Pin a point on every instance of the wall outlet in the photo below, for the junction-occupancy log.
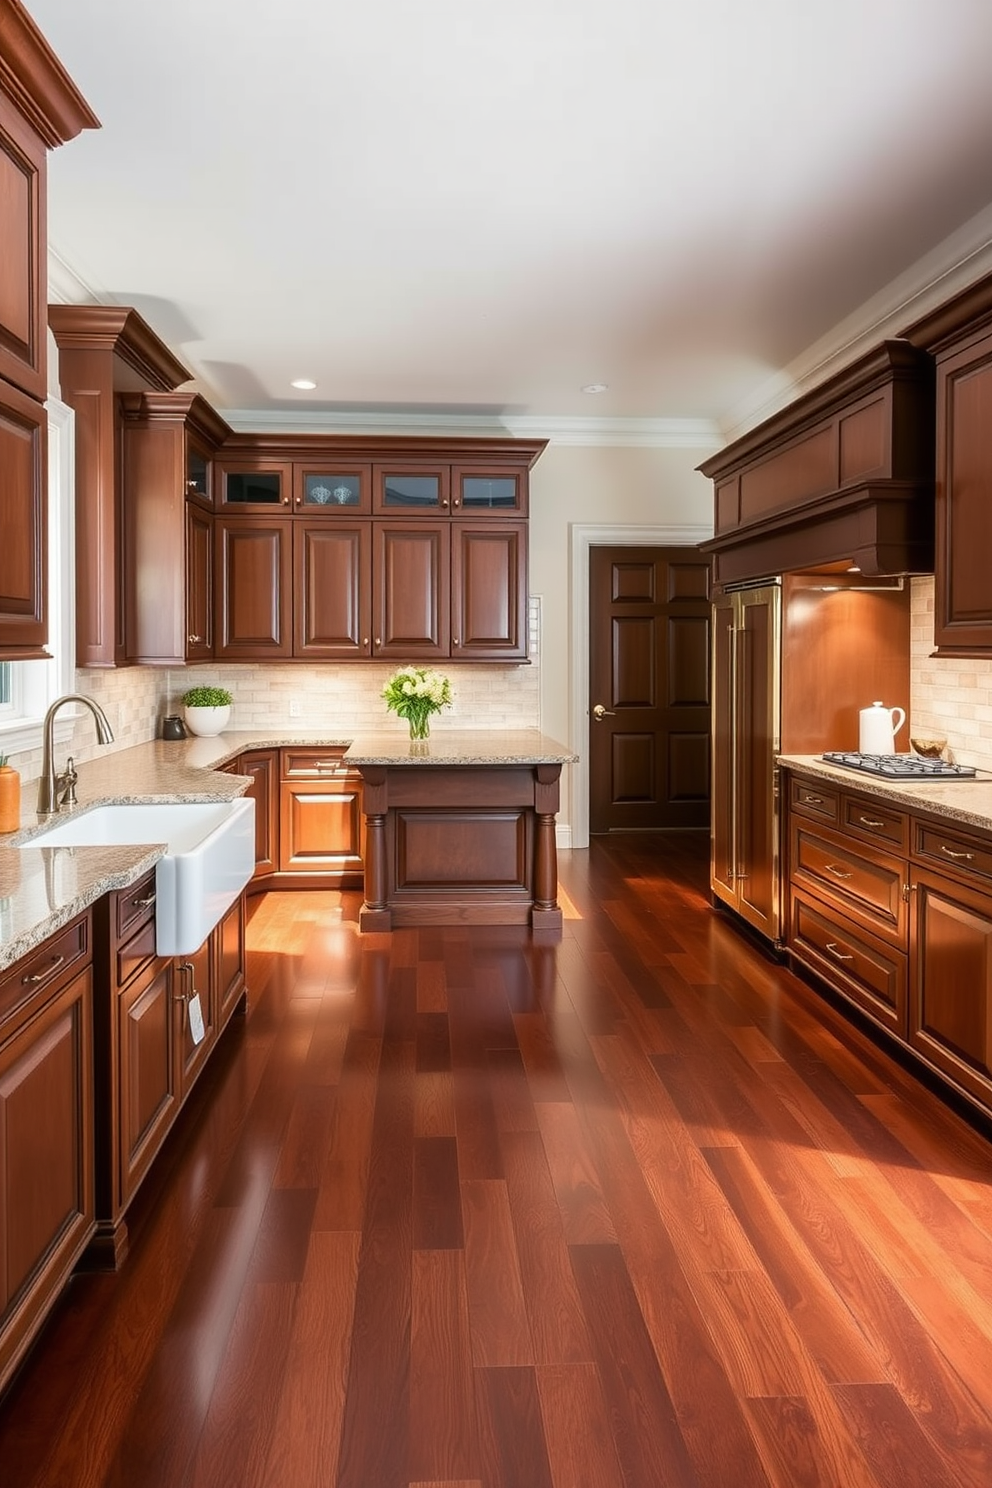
(294, 707)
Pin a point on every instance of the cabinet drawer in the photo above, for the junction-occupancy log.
(970, 856)
(867, 886)
(857, 964)
(814, 799)
(315, 764)
(135, 904)
(45, 968)
(870, 819)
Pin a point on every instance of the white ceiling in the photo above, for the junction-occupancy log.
(458, 207)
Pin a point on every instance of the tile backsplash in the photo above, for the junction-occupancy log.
(951, 696)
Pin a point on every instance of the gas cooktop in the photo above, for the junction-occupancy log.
(901, 766)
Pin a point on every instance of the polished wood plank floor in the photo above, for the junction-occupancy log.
(458, 1209)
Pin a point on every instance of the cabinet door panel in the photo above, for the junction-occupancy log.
(193, 977)
(411, 581)
(23, 628)
(321, 827)
(199, 584)
(262, 768)
(488, 590)
(963, 609)
(229, 936)
(254, 586)
(46, 1177)
(148, 1090)
(23, 170)
(333, 571)
(951, 971)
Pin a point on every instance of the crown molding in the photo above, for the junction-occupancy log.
(952, 266)
(696, 434)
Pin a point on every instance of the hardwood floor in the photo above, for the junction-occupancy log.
(458, 1209)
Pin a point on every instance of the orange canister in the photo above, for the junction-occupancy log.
(10, 798)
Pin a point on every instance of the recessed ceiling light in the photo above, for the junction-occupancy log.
(594, 387)
(305, 384)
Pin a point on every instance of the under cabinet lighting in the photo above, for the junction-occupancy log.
(304, 384)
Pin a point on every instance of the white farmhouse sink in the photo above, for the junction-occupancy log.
(210, 856)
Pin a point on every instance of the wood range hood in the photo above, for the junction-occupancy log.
(843, 476)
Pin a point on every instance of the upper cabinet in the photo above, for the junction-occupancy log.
(168, 441)
(39, 109)
(843, 475)
(959, 337)
(103, 351)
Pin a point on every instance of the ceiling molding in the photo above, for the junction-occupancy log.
(643, 433)
(952, 266)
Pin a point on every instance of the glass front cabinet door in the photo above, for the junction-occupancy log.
(488, 491)
(329, 490)
(411, 489)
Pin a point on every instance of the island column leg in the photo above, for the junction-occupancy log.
(546, 914)
(375, 913)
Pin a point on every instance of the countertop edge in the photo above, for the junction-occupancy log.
(966, 801)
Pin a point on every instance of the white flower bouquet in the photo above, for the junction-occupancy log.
(415, 693)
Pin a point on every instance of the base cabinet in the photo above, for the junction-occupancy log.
(47, 1210)
(148, 1049)
(309, 827)
(893, 910)
(950, 1008)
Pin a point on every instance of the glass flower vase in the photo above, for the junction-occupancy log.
(420, 726)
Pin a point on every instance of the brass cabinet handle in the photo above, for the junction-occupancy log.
(194, 640)
(967, 856)
(838, 955)
(837, 871)
(869, 821)
(143, 903)
(812, 800)
(42, 976)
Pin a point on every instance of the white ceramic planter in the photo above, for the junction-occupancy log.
(206, 722)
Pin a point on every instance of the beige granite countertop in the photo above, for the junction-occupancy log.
(42, 889)
(966, 800)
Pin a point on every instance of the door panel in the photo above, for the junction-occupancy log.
(650, 668)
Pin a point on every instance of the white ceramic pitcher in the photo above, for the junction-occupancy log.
(877, 728)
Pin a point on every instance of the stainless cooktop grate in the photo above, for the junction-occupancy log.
(901, 766)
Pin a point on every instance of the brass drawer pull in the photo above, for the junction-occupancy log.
(968, 857)
(143, 903)
(869, 821)
(42, 976)
(812, 800)
(837, 871)
(837, 954)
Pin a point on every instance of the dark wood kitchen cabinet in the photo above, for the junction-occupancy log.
(321, 825)
(411, 589)
(146, 1057)
(959, 337)
(40, 108)
(254, 587)
(332, 592)
(262, 768)
(893, 910)
(489, 590)
(47, 1209)
(168, 441)
(253, 486)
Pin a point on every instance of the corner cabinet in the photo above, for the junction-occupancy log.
(39, 109)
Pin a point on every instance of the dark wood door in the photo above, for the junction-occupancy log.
(411, 583)
(649, 688)
(333, 599)
(254, 586)
(489, 590)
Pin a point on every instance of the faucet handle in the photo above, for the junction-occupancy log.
(67, 784)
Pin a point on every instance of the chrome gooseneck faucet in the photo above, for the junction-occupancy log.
(56, 791)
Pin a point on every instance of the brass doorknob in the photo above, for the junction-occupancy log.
(599, 713)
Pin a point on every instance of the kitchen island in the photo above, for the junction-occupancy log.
(460, 829)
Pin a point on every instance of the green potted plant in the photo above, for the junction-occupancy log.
(207, 710)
